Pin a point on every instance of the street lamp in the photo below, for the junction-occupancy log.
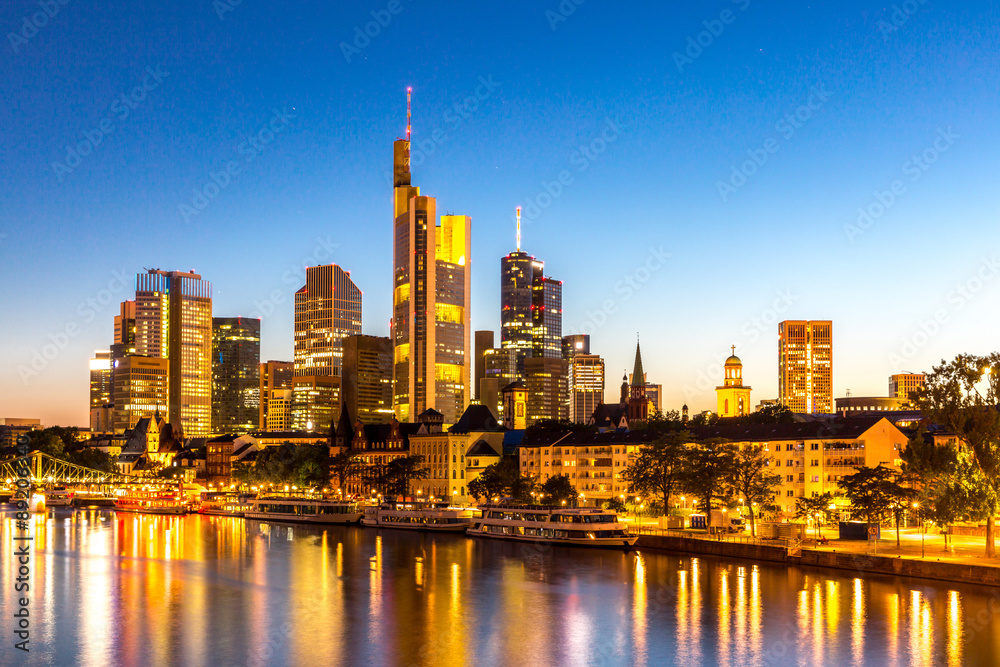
(916, 506)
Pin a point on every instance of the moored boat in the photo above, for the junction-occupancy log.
(586, 526)
(420, 515)
(154, 501)
(303, 510)
(224, 503)
(58, 496)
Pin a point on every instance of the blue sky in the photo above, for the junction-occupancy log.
(644, 109)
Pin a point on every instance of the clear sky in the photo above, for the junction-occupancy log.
(716, 157)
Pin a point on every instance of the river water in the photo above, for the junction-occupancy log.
(126, 589)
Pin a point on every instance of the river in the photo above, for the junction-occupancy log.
(126, 589)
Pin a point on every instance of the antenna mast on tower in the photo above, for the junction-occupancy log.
(519, 229)
(408, 91)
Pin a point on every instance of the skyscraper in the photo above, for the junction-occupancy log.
(101, 391)
(805, 366)
(275, 376)
(483, 342)
(173, 321)
(367, 379)
(140, 389)
(431, 326)
(235, 374)
(586, 386)
(327, 310)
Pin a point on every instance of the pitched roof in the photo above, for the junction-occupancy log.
(476, 418)
(638, 377)
(825, 429)
(482, 448)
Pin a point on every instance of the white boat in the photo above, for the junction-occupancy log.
(588, 526)
(303, 510)
(155, 501)
(58, 496)
(420, 515)
(224, 504)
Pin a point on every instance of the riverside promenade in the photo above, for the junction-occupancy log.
(961, 560)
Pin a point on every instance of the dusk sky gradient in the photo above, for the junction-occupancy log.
(320, 192)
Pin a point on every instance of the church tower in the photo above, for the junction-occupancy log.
(733, 397)
(638, 405)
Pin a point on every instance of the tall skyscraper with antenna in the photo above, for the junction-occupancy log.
(531, 330)
(431, 324)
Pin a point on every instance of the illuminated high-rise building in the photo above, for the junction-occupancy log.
(315, 402)
(367, 379)
(101, 392)
(140, 390)
(586, 386)
(275, 376)
(431, 325)
(173, 321)
(901, 385)
(235, 374)
(327, 310)
(484, 341)
(805, 366)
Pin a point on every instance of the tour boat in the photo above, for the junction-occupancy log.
(224, 504)
(420, 515)
(155, 501)
(588, 527)
(58, 496)
(303, 510)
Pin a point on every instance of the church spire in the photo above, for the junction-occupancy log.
(638, 377)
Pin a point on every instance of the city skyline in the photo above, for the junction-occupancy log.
(708, 269)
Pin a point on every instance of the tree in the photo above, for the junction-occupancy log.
(401, 471)
(752, 479)
(343, 466)
(657, 467)
(558, 489)
(47, 442)
(706, 473)
(871, 492)
(952, 398)
(819, 508)
(502, 480)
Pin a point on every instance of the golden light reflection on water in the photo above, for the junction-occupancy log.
(639, 607)
(189, 589)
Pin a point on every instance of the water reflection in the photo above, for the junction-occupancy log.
(132, 589)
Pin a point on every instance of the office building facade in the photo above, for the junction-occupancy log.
(805, 366)
(274, 375)
(366, 384)
(235, 374)
(327, 310)
(173, 321)
(431, 325)
(140, 390)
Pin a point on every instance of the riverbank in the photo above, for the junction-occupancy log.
(954, 570)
